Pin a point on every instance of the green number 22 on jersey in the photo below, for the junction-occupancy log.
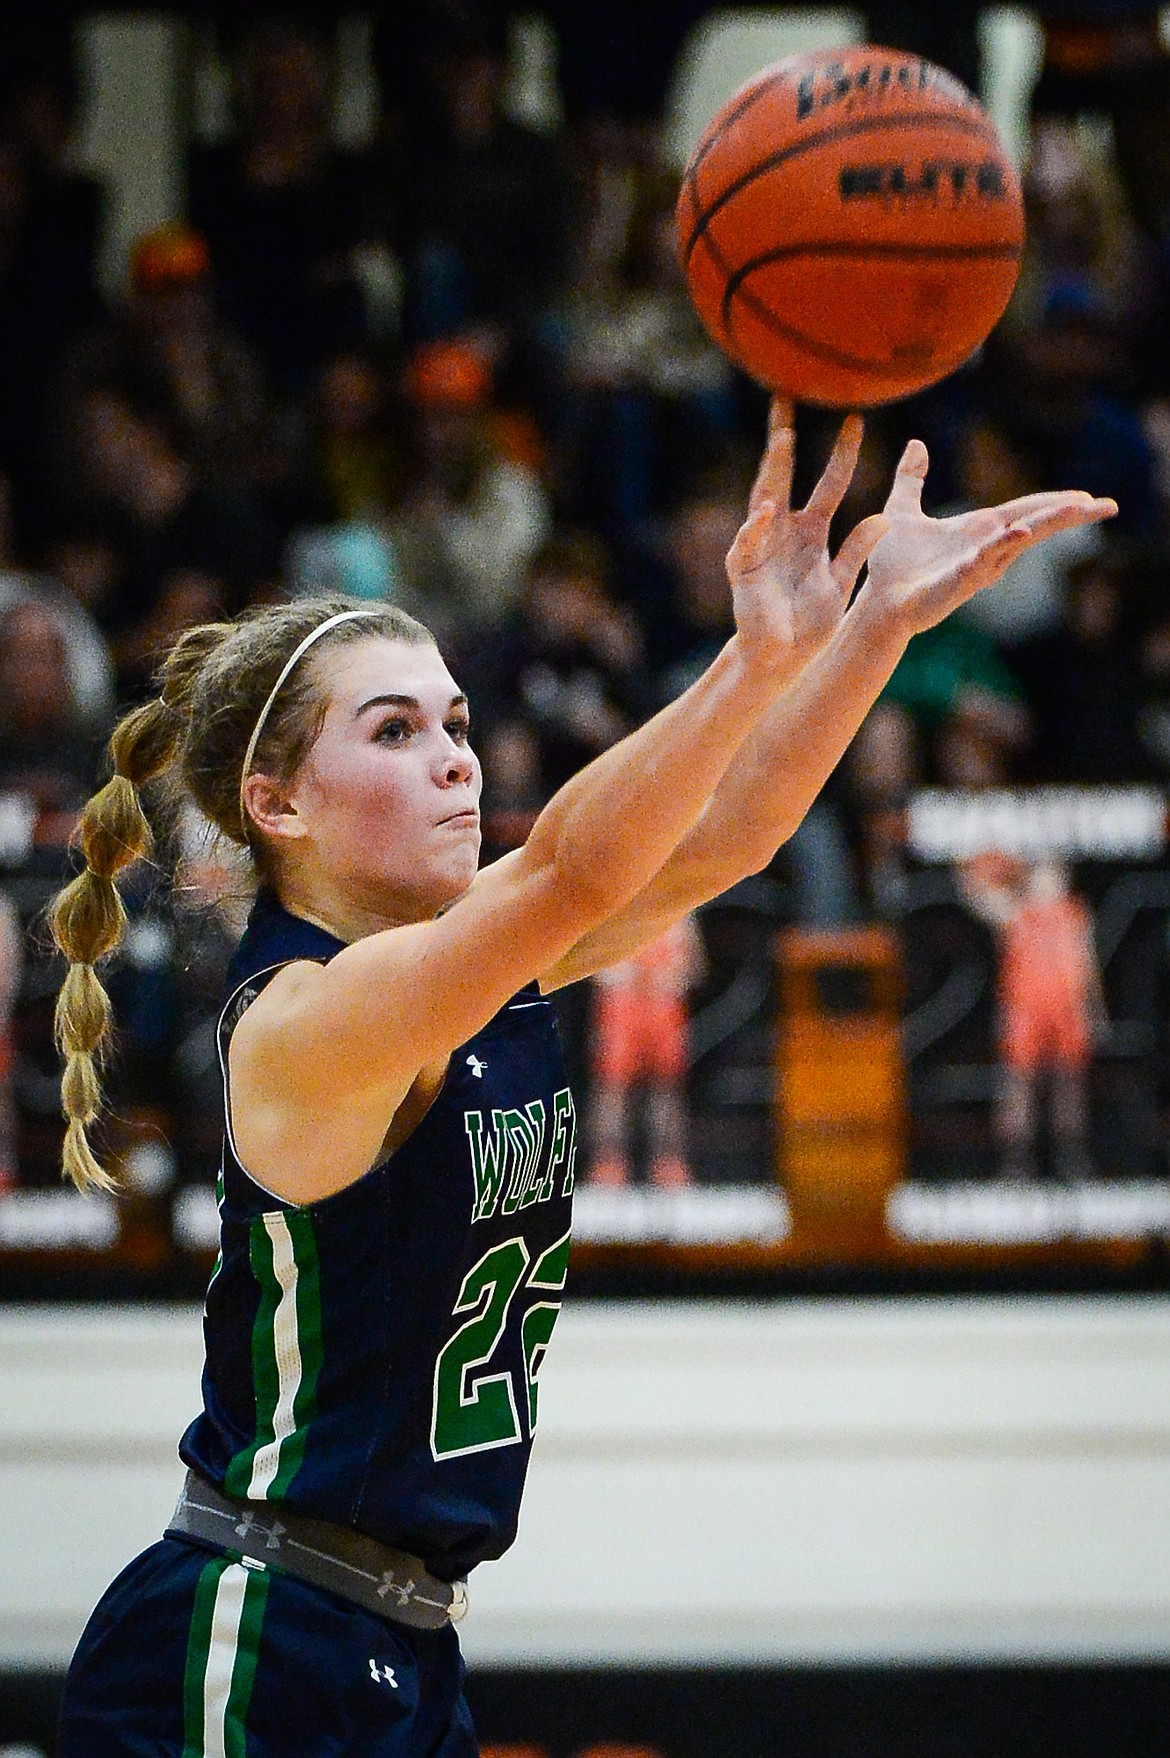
(476, 1409)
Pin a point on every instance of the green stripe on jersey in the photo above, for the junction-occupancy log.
(223, 1648)
(286, 1354)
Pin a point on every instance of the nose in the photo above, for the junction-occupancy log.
(457, 764)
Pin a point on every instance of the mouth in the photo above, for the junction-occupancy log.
(466, 819)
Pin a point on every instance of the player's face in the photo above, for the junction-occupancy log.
(388, 796)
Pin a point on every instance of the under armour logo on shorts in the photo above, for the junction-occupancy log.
(383, 1675)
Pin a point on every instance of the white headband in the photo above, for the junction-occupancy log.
(298, 653)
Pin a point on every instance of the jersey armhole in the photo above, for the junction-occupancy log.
(240, 1000)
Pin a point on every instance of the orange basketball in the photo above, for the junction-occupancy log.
(850, 226)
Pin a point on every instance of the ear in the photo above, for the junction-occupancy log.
(272, 809)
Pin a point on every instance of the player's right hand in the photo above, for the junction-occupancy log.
(789, 595)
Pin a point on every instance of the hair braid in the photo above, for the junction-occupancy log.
(89, 919)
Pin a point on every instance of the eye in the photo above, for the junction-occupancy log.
(459, 729)
(393, 732)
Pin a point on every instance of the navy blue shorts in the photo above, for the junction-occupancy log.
(193, 1655)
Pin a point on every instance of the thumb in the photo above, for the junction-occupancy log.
(857, 549)
(905, 494)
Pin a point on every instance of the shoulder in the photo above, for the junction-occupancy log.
(265, 1006)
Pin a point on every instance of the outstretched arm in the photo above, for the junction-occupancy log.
(350, 1038)
(920, 570)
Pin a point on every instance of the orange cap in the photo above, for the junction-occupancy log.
(449, 372)
(170, 256)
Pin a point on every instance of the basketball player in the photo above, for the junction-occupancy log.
(398, 1165)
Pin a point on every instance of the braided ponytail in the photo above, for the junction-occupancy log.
(89, 919)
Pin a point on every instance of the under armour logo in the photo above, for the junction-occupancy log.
(476, 1066)
(390, 1585)
(271, 1534)
(383, 1675)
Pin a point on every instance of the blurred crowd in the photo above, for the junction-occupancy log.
(459, 368)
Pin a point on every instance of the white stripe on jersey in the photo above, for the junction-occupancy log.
(221, 1658)
(287, 1347)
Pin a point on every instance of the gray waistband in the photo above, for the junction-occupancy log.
(382, 1580)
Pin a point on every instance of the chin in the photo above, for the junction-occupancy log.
(452, 879)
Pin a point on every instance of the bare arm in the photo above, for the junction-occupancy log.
(763, 795)
(359, 1031)
(919, 571)
(323, 1059)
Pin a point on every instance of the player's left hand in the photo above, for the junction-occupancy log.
(924, 568)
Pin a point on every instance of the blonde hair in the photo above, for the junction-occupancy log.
(213, 689)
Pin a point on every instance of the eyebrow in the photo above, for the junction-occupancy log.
(392, 701)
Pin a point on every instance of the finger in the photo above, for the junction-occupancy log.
(990, 559)
(979, 567)
(1026, 504)
(1067, 517)
(781, 412)
(905, 494)
(829, 492)
(752, 540)
(774, 477)
(985, 562)
(1046, 522)
(857, 549)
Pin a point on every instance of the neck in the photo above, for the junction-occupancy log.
(341, 914)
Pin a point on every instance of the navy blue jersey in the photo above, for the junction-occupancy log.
(373, 1358)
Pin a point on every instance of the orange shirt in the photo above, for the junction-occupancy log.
(664, 968)
(1047, 959)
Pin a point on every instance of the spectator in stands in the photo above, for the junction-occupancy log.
(1083, 681)
(567, 665)
(617, 60)
(686, 629)
(647, 390)
(1080, 239)
(283, 209)
(193, 549)
(1067, 383)
(360, 453)
(685, 605)
(83, 551)
(472, 516)
(994, 462)
(952, 676)
(40, 108)
(90, 670)
(46, 749)
(979, 740)
(477, 205)
(168, 346)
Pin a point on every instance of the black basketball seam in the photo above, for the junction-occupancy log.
(845, 131)
(729, 344)
(907, 252)
(713, 134)
(819, 350)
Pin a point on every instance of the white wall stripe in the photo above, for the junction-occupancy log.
(286, 1344)
(221, 1658)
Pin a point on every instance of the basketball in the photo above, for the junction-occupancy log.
(850, 226)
